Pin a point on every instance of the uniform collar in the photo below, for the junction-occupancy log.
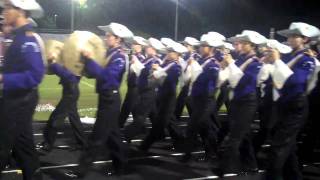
(112, 50)
(295, 53)
(23, 29)
(248, 56)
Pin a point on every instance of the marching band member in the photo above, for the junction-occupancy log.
(201, 91)
(129, 102)
(67, 107)
(167, 74)
(311, 130)
(267, 107)
(147, 90)
(106, 132)
(236, 149)
(290, 77)
(190, 43)
(223, 97)
(23, 70)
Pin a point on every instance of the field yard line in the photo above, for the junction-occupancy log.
(103, 162)
(87, 84)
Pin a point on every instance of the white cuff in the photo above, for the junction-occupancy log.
(314, 76)
(223, 76)
(264, 73)
(137, 67)
(160, 73)
(235, 74)
(280, 74)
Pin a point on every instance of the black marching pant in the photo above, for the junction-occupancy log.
(128, 105)
(181, 102)
(283, 159)
(67, 107)
(201, 123)
(223, 97)
(145, 107)
(311, 138)
(106, 133)
(16, 134)
(267, 115)
(236, 152)
(163, 120)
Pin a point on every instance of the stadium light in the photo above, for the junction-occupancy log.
(176, 21)
(82, 3)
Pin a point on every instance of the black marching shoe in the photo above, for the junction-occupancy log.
(186, 158)
(44, 148)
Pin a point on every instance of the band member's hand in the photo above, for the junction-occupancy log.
(155, 66)
(223, 64)
(52, 58)
(273, 56)
(190, 61)
(227, 58)
(311, 53)
(86, 54)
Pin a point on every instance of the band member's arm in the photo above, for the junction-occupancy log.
(280, 74)
(264, 73)
(34, 72)
(173, 74)
(136, 66)
(302, 72)
(92, 68)
(235, 74)
(61, 71)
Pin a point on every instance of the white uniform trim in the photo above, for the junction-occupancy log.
(136, 67)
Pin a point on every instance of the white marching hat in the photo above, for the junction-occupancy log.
(282, 48)
(117, 29)
(139, 40)
(209, 40)
(156, 44)
(27, 5)
(191, 41)
(300, 28)
(167, 41)
(227, 46)
(216, 36)
(177, 47)
(234, 38)
(251, 36)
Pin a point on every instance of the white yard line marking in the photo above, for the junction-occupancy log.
(206, 177)
(99, 162)
(87, 84)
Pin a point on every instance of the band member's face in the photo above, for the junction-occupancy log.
(112, 40)
(296, 41)
(237, 46)
(136, 48)
(189, 47)
(173, 55)
(246, 47)
(150, 51)
(11, 14)
(6, 29)
(205, 50)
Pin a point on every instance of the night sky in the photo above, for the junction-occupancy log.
(156, 17)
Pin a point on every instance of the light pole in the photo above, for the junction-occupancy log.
(55, 19)
(176, 22)
(72, 16)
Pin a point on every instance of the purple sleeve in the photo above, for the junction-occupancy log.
(32, 75)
